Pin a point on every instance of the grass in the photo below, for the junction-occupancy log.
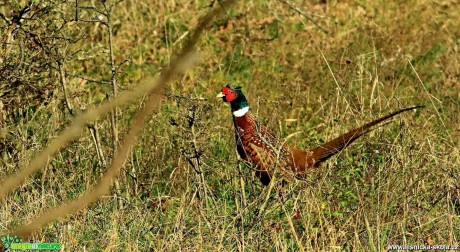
(396, 185)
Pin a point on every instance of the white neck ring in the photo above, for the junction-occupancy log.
(241, 112)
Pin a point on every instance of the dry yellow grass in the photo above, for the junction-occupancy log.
(182, 186)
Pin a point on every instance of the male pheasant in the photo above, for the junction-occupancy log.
(261, 149)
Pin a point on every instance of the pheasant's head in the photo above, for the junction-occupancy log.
(236, 98)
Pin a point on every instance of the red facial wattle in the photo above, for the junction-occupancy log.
(229, 94)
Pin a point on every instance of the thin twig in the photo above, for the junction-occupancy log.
(113, 80)
(95, 9)
(306, 15)
(76, 10)
(4, 18)
(97, 143)
(63, 81)
(87, 78)
(92, 128)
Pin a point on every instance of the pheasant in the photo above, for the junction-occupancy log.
(261, 149)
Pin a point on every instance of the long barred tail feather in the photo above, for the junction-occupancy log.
(326, 150)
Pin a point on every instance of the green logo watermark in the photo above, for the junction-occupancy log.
(15, 243)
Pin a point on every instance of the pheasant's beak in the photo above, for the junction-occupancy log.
(220, 95)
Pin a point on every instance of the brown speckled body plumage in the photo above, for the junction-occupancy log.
(263, 151)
